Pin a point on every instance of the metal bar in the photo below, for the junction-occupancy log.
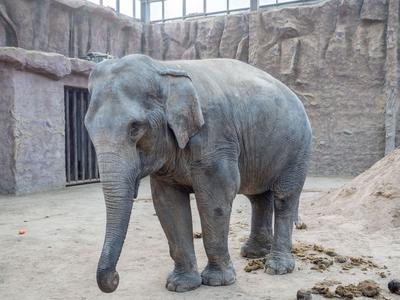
(67, 136)
(204, 7)
(75, 134)
(145, 11)
(227, 7)
(118, 7)
(285, 3)
(254, 4)
(81, 165)
(89, 146)
(183, 9)
(101, 2)
(78, 182)
(83, 136)
(133, 9)
(163, 10)
(201, 14)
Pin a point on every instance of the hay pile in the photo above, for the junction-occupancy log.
(372, 198)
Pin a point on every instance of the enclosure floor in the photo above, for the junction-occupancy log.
(57, 256)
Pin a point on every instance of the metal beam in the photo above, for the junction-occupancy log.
(254, 4)
(145, 11)
(117, 6)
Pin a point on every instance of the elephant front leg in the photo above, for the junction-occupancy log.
(215, 188)
(172, 206)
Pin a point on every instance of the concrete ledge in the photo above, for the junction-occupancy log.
(52, 65)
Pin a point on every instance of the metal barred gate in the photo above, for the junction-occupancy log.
(80, 156)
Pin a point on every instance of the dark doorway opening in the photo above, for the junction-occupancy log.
(80, 155)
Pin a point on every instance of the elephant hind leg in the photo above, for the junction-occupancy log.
(261, 236)
(287, 192)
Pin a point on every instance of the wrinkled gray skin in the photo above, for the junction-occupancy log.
(214, 128)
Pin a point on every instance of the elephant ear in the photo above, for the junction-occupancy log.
(183, 109)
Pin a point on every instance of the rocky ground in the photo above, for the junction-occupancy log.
(56, 257)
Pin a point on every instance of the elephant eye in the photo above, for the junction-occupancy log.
(134, 129)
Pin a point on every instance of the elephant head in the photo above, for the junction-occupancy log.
(140, 111)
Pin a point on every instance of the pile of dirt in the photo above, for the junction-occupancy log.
(372, 198)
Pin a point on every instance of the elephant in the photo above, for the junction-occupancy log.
(212, 127)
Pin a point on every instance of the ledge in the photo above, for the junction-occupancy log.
(52, 65)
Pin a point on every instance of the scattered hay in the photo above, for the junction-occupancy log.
(301, 226)
(254, 264)
(366, 288)
(323, 258)
(197, 235)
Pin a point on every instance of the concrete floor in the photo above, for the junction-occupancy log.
(57, 256)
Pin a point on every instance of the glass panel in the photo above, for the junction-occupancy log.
(155, 11)
(235, 4)
(173, 8)
(95, 1)
(194, 6)
(138, 8)
(267, 2)
(284, 1)
(216, 5)
(110, 3)
(126, 7)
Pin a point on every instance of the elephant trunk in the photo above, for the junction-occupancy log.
(119, 188)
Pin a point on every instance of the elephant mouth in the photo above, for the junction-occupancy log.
(136, 188)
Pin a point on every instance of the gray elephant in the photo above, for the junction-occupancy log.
(214, 128)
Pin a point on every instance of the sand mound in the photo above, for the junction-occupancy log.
(372, 198)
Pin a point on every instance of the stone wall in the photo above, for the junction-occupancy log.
(32, 135)
(69, 27)
(339, 56)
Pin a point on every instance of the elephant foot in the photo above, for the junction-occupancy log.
(254, 249)
(278, 263)
(183, 282)
(217, 275)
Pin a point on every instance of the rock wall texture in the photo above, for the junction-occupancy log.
(7, 126)
(69, 27)
(341, 57)
(32, 135)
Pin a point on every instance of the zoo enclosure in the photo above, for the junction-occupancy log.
(169, 10)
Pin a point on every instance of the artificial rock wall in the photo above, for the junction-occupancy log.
(339, 56)
(32, 135)
(69, 27)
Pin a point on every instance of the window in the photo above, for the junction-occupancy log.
(194, 7)
(173, 8)
(155, 11)
(214, 6)
(110, 3)
(126, 8)
(138, 8)
(237, 4)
